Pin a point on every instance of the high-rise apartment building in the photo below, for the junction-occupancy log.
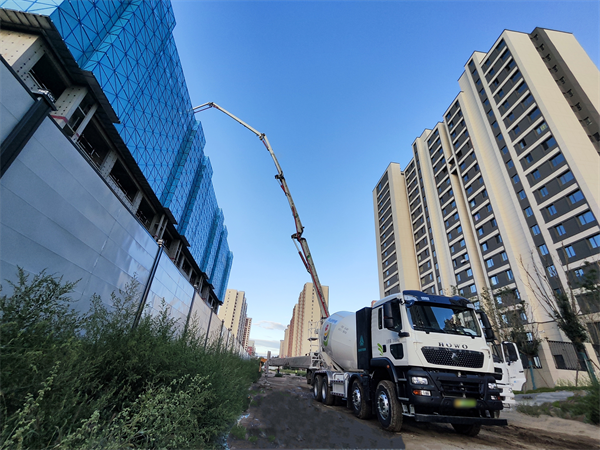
(247, 327)
(305, 317)
(129, 47)
(233, 313)
(507, 182)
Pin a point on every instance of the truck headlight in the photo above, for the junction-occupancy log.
(492, 386)
(419, 380)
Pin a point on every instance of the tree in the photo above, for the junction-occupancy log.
(508, 316)
(561, 302)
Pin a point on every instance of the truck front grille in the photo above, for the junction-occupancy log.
(453, 357)
(468, 389)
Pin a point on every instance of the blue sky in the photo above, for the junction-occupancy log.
(341, 89)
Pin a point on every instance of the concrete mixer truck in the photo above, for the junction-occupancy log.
(412, 355)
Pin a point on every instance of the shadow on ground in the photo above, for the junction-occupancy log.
(282, 414)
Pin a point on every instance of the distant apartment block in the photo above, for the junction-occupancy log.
(508, 181)
(306, 315)
(233, 313)
(246, 337)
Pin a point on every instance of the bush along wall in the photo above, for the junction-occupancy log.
(72, 380)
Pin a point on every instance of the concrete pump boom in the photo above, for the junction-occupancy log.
(303, 251)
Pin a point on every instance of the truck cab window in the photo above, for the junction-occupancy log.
(443, 319)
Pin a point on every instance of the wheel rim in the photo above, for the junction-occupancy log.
(315, 388)
(324, 389)
(356, 400)
(383, 405)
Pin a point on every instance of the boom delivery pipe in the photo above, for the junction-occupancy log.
(303, 251)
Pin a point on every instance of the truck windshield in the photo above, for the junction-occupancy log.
(443, 319)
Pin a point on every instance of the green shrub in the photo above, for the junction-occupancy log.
(238, 432)
(71, 380)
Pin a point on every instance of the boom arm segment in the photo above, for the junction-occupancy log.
(303, 250)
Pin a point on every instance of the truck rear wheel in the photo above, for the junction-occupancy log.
(360, 408)
(467, 430)
(326, 394)
(389, 411)
(317, 388)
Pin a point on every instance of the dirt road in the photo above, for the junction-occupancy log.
(283, 414)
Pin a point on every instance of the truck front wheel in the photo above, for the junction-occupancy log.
(317, 388)
(360, 408)
(389, 411)
(467, 430)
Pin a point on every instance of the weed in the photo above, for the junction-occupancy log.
(253, 439)
(238, 432)
(271, 438)
(73, 380)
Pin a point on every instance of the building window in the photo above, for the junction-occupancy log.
(473, 203)
(529, 158)
(458, 277)
(543, 127)
(473, 289)
(536, 174)
(510, 164)
(498, 239)
(578, 273)
(504, 256)
(543, 249)
(585, 218)
(480, 231)
(557, 159)
(476, 217)
(543, 191)
(528, 211)
(509, 275)
(575, 197)
(560, 230)
(551, 271)
(484, 246)
(516, 179)
(595, 241)
(494, 280)
(570, 251)
(522, 194)
(535, 230)
(504, 150)
(489, 207)
(489, 262)
(462, 243)
(469, 272)
(551, 210)
(566, 177)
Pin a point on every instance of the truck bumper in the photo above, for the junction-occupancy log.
(459, 419)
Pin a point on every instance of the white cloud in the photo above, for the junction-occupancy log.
(267, 324)
(271, 345)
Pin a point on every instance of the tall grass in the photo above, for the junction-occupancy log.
(74, 380)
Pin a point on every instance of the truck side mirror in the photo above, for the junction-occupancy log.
(487, 328)
(391, 315)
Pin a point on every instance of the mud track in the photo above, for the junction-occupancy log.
(283, 414)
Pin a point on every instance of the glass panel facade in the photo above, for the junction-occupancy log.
(129, 46)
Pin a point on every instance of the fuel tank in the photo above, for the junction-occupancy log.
(338, 339)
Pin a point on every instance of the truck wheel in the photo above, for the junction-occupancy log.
(467, 430)
(326, 394)
(360, 408)
(389, 411)
(317, 388)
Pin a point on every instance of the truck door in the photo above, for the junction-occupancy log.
(516, 374)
